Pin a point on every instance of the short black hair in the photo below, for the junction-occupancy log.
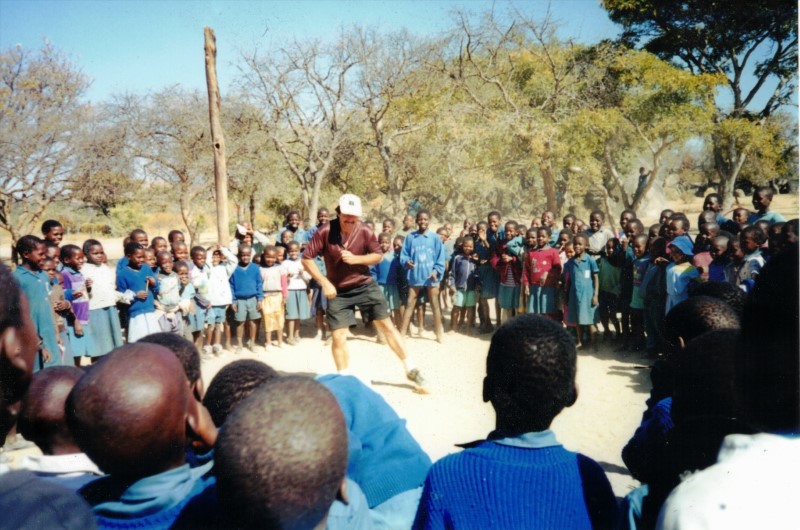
(765, 191)
(599, 213)
(48, 225)
(727, 292)
(422, 211)
(67, 251)
(533, 360)
(493, 213)
(197, 249)
(697, 315)
(132, 247)
(184, 350)
(136, 232)
(386, 235)
(157, 238)
(545, 229)
(681, 217)
(88, 244)
(27, 244)
(180, 265)
(265, 477)
(566, 231)
(172, 234)
(755, 232)
(233, 384)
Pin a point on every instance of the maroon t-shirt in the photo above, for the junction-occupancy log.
(328, 242)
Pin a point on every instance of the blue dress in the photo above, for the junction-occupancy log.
(582, 274)
(34, 285)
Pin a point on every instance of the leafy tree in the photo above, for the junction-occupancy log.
(737, 39)
(42, 116)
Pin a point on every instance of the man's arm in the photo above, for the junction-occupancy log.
(328, 289)
(368, 259)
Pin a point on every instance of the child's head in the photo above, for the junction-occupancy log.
(42, 416)
(53, 231)
(654, 231)
(294, 250)
(680, 250)
(569, 250)
(397, 243)
(530, 373)
(138, 235)
(712, 203)
(709, 231)
(198, 254)
(323, 216)
(216, 256)
(763, 226)
(423, 219)
(548, 218)
(150, 257)
(467, 245)
(530, 238)
(762, 198)
(775, 238)
(633, 228)
(511, 230)
(706, 216)
(182, 270)
(165, 262)
(72, 256)
(388, 226)
(266, 479)
(467, 223)
(565, 236)
(49, 268)
(596, 219)
(719, 247)
(281, 254)
(664, 216)
(233, 384)
(158, 244)
(293, 219)
(408, 222)
(696, 315)
(579, 244)
(740, 215)
(175, 235)
(472, 230)
(187, 354)
(750, 239)
(493, 221)
(449, 228)
(287, 236)
(789, 233)
(625, 217)
(385, 241)
(52, 251)
(245, 254)
(640, 245)
(135, 254)
(658, 248)
(269, 257)
(130, 413)
(93, 250)
(180, 251)
(568, 222)
(677, 225)
(442, 233)
(30, 249)
(735, 250)
(612, 247)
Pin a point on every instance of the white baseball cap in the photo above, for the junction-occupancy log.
(350, 204)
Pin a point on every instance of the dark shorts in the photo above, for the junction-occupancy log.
(367, 298)
(608, 301)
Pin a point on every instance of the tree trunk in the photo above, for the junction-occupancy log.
(217, 137)
(728, 171)
(549, 185)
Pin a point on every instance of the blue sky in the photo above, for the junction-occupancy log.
(146, 45)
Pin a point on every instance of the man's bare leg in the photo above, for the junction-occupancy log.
(341, 356)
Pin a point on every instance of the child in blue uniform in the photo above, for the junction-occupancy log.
(423, 257)
(386, 273)
(138, 286)
(463, 284)
(582, 289)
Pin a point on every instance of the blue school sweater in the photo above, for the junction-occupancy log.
(246, 282)
(129, 279)
(386, 272)
(492, 485)
(428, 254)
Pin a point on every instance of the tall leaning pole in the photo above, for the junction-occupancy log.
(217, 136)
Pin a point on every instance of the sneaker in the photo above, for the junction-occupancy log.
(239, 350)
(415, 376)
(207, 350)
(216, 349)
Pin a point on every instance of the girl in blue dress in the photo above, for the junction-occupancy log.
(582, 289)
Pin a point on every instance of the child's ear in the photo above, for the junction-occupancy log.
(681, 343)
(487, 390)
(341, 494)
(573, 397)
(199, 425)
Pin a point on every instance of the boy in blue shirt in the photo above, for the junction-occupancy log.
(248, 292)
(520, 476)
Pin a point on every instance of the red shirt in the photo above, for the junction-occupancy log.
(537, 262)
(328, 242)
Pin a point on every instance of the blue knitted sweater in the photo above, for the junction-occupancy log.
(500, 486)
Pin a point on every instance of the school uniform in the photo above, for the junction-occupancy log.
(34, 285)
(542, 299)
(386, 273)
(464, 279)
(73, 284)
(297, 307)
(678, 278)
(141, 313)
(426, 251)
(581, 291)
(103, 313)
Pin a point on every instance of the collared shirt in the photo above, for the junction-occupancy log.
(530, 440)
(328, 242)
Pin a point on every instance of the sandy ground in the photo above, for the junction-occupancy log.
(612, 391)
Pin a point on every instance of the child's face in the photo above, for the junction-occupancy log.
(53, 254)
(468, 247)
(530, 238)
(449, 228)
(166, 264)
(712, 204)
(472, 230)
(180, 251)
(664, 217)
(639, 248)
(422, 221)
(150, 258)
(183, 275)
(563, 239)
(624, 219)
(610, 248)
(199, 259)
(216, 258)
(287, 237)
(388, 227)
(511, 231)
(568, 222)
(281, 254)
(740, 216)
(442, 235)
(653, 232)
(467, 223)
(247, 239)
(49, 268)
(718, 249)
(136, 260)
(323, 217)
(270, 257)
(747, 243)
(397, 245)
(735, 250)
(293, 221)
(56, 234)
(97, 256)
(542, 238)
(385, 245)
(159, 244)
(632, 230)
(141, 238)
(177, 236)
(676, 254)
(580, 226)
(569, 251)
(548, 219)
(595, 222)
(761, 201)
(579, 246)
(675, 228)
(492, 223)
(294, 252)
(76, 261)
(245, 256)
(408, 222)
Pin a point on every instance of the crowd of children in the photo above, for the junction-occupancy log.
(712, 311)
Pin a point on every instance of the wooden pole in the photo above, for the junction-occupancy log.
(217, 137)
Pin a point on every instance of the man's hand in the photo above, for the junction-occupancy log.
(349, 258)
(328, 289)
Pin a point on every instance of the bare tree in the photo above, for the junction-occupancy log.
(303, 89)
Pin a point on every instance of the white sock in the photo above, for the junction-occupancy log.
(344, 371)
(408, 364)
